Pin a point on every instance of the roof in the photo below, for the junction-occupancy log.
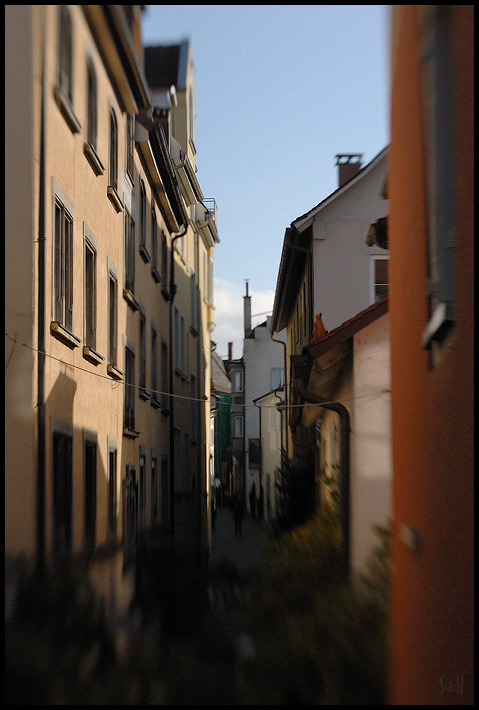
(304, 220)
(347, 329)
(321, 365)
(219, 379)
(268, 394)
(297, 244)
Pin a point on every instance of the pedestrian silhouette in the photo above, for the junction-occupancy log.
(238, 513)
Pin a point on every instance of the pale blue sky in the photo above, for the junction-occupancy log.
(279, 91)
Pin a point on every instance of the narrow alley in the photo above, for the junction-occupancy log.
(209, 663)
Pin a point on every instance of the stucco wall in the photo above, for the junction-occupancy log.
(341, 259)
(371, 483)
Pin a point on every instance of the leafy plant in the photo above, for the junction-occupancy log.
(318, 639)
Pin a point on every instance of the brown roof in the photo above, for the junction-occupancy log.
(347, 329)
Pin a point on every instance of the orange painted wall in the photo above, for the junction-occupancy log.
(432, 409)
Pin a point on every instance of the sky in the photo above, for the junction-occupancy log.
(279, 91)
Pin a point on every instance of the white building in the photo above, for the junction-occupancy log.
(271, 445)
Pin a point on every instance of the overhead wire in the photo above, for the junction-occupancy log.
(116, 383)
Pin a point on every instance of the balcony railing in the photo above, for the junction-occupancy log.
(210, 204)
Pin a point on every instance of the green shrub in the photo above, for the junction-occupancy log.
(319, 640)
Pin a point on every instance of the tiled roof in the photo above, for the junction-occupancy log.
(219, 379)
(348, 328)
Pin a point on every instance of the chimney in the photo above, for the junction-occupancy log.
(247, 313)
(349, 166)
(230, 351)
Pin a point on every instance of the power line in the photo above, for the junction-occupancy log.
(179, 396)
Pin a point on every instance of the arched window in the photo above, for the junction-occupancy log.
(113, 167)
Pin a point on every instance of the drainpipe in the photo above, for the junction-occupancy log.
(285, 392)
(41, 330)
(344, 481)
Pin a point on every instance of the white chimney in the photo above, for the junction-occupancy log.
(247, 313)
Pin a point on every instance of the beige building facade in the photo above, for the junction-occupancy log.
(95, 350)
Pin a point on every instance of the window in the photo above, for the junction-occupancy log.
(193, 302)
(194, 407)
(176, 325)
(63, 266)
(130, 144)
(182, 343)
(63, 89)
(65, 68)
(90, 294)
(113, 152)
(89, 458)
(142, 334)
(143, 250)
(179, 336)
(142, 491)
(238, 427)
(154, 244)
(380, 278)
(277, 378)
(165, 492)
(91, 125)
(154, 362)
(154, 487)
(129, 416)
(304, 311)
(112, 318)
(129, 252)
(62, 445)
(178, 474)
(164, 260)
(112, 490)
(238, 381)
(164, 373)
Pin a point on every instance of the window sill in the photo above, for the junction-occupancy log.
(64, 335)
(92, 356)
(156, 274)
(154, 403)
(93, 159)
(63, 103)
(144, 253)
(144, 395)
(130, 433)
(114, 198)
(193, 330)
(114, 372)
(165, 293)
(130, 299)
